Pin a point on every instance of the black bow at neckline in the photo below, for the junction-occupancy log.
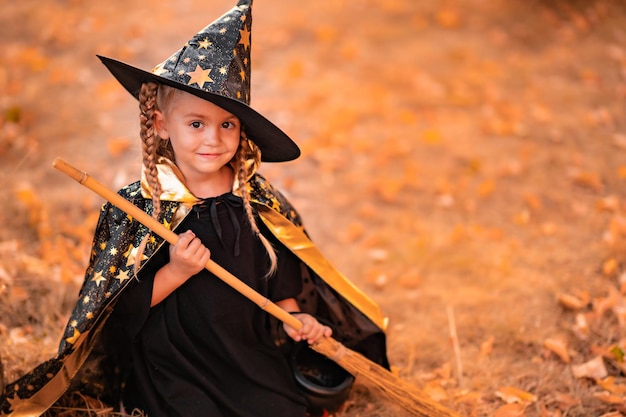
(231, 202)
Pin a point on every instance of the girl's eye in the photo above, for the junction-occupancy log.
(196, 125)
(227, 125)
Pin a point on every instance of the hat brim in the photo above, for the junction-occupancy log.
(274, 144)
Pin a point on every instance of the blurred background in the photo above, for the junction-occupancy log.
(462, 163)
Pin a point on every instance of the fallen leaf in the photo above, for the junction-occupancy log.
(515, 395)
(609, 267)
(546, 413)
(594, 369)
(27, 196)
(541, 113)
(533, 202)
(445, 371)
(486, 188)
(603, 304)
(431, 137)
(368, 211)
(377, 278)
(13, 114)
(18, 293)
(609, 203)
(573, 302)
(566, 401)
(522, 218)
(389, 192)
(590, 180)
(581, 326)
(33, 58)
(548, 229)
(469, 398)
(326, 33)
(559, 347)
(19, 335)
(620, 313)
(435, 391)
(295, 69)
(448, 18)
(611, 386)
(353, 232)
(486, 347)
(410, 279)
(607, 398)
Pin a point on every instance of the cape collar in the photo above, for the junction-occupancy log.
(173, 184)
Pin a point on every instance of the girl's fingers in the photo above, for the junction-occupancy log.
(311, 330)
(192, 247)
(185, 238)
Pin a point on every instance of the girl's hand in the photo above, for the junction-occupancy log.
(188, 256)
(311, 331)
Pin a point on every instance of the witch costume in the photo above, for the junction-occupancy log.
(205, 347)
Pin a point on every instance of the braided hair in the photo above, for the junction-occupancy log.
(245, 161)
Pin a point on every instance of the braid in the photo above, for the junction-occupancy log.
(150, 141)
(248, 152)
(147, 106)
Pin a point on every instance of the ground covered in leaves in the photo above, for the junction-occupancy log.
(463, 163)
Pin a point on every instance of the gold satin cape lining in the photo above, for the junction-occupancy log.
(297, 241)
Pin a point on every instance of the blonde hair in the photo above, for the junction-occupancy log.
(155, 96)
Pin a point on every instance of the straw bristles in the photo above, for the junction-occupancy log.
(391, 386)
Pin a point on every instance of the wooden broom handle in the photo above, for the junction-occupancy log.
(117, 200)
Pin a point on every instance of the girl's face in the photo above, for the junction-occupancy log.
(204, 136)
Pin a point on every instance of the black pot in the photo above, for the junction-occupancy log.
(324, 383)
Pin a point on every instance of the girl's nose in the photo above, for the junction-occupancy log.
(211, 136)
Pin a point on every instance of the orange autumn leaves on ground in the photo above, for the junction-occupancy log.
(461, 144)
(578, 346)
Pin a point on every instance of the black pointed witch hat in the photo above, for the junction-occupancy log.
(215, 65)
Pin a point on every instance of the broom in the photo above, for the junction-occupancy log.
(393, 387)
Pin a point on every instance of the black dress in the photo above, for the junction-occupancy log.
(206, 350)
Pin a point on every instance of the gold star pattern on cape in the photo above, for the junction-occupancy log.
(98, 278)
(12, 401)
(122, 276)
(74, 338)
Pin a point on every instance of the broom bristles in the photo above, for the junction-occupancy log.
(393, 387)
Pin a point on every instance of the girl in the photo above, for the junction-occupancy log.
(203, 348)
(155, 331)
